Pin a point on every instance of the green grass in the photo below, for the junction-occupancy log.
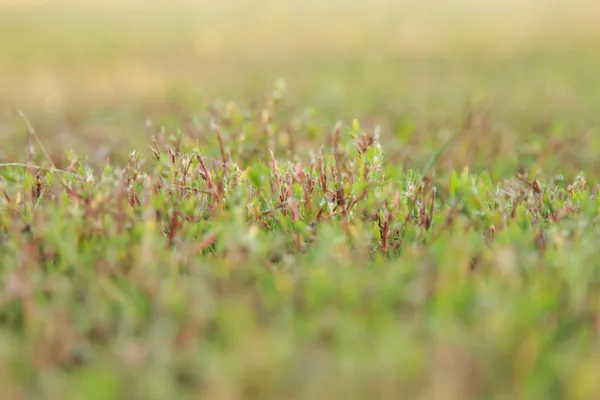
(405, 215)
(221, 270)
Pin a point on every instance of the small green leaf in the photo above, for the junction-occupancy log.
(453, 185)
(254, 176)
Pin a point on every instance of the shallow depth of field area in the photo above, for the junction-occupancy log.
(296, 200)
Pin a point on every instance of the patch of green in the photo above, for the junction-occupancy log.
(237, 259)
(442, 245)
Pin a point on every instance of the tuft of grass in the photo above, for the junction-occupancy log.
(230, 262)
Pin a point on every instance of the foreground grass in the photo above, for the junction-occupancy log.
(228, 263)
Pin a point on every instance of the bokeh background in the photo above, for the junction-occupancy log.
(90, 75)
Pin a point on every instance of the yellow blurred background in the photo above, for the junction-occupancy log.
(52, 50)
(98, 68)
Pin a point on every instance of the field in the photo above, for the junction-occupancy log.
(291, 200)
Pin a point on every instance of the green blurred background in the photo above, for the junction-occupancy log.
(91, 74)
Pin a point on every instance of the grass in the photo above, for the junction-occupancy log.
(223, 271)
(390, 221)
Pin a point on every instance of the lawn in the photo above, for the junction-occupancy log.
(269, 200)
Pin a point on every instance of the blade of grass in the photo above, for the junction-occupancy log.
(438, 153)
(36, 167)
(32, 134)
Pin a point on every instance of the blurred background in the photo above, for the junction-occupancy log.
(90, 74)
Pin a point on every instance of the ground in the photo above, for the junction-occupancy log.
(279, 200)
